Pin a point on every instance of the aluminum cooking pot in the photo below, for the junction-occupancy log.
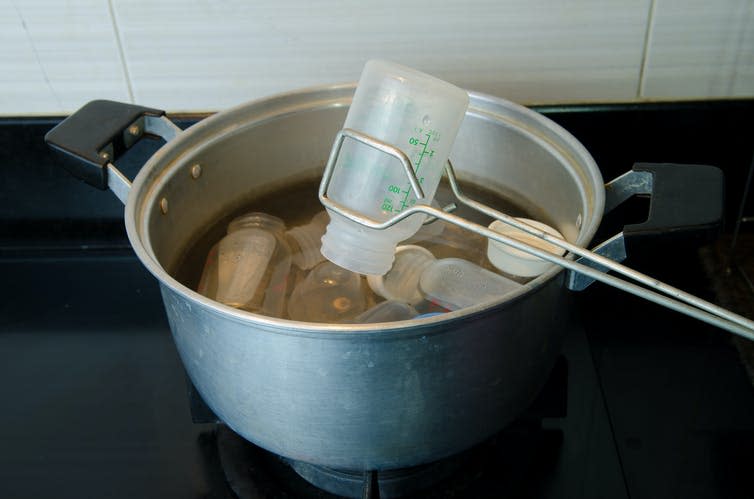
(360, 397)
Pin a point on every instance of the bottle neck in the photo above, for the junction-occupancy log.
(257, 220)
(359, 249)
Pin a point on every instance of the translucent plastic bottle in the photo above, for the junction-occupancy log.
(455, 284)
(328, 294)
(413, 111)
(457, 242)
(429, 231)
(254, 260)
(208, 282)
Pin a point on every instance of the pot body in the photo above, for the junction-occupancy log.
(370, 397)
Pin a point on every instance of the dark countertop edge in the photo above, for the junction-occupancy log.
(679, 105)
(675, 105)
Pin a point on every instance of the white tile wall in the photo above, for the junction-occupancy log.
(55, 56)
(212, 54)
(698, 48)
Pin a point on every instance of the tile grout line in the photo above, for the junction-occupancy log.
(121, 52)
(38, 59)
(645, 52)
(744, 20)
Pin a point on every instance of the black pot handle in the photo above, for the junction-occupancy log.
(686, 206)
(94, 136)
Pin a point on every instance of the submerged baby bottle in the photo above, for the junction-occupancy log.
(208, 282)
(328, 294)
(253, 264)
(454, 284)
(420, 115)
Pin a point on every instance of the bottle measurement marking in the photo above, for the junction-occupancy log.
(424, 152)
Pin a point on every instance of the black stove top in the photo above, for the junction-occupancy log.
(94, 398)
(95, 402)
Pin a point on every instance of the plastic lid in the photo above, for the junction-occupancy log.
(517, 262)
(402, 281)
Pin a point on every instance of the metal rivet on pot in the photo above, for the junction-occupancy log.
(164, 205)
(134, 130)
(104, 155)
(578, 221)
(196, 171)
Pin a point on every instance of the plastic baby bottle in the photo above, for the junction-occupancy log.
(328, 294)
(420, 115)
(305, 241)
(208, 282)
(253, 264)
(454, 284)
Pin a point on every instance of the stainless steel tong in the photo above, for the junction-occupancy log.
(643, 286)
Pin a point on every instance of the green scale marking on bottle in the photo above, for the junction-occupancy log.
(419, 151)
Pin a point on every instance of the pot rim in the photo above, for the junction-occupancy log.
(146, 186)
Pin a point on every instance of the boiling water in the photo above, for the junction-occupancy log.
(298, 203)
